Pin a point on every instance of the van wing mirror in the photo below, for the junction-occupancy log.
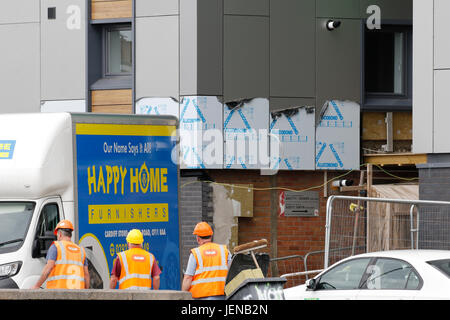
(47, 240)
(42, 243)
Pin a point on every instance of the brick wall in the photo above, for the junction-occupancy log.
(434, 184)
(190, 213)
(195, 206)
(294, 235)
(286, 235)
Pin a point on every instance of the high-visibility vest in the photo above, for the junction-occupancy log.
(68, 272)
(136, 268)
(211, 272)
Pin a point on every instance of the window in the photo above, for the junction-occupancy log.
(346, 275)
(388, 67)
(442, 265)
(48, 219)
(118, 47)
(15, 218)
(392, 274)
(44, 237)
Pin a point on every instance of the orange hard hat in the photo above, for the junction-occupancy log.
(63, 224)
(202, 229)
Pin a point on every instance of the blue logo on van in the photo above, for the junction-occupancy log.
(7, 149)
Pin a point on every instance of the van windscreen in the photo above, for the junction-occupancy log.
(15, 218)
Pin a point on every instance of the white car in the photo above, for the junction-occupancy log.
(384, 275)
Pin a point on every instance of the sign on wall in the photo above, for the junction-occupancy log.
(299, 204)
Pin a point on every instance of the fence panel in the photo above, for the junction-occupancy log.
(358, 224)
(289, 265)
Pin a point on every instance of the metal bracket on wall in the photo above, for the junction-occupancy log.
(389, 146)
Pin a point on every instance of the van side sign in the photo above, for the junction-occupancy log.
(7, 149)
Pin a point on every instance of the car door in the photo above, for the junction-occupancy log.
(390, 279)
(49, 215)
(340, 281)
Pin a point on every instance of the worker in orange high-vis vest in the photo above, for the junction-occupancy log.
(135, 268)
(207, 267)
(67, 266)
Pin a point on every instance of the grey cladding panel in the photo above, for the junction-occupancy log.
(210, 47)
(145, 8)
(279, 103)
(247, 7)
(157, 57)
(338, 9)
(246, 57)
(338, 62)
(188, 47)
(63, 50)
(19, 64)
(17, 11)
(292, 48)
(390, 10)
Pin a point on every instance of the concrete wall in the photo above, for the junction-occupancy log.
(116, 295)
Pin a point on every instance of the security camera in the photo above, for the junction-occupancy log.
(342, 183)
(333, 24)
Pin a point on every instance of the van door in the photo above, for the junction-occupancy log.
(50, 214)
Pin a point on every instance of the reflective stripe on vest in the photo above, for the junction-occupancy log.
(210, 274)
(201, 268)
(140, 275)
(68, 272)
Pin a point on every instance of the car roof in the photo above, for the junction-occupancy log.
(412, 255)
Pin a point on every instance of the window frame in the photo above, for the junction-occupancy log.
(106, 49)
(387, 102)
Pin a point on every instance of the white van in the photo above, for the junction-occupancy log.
(56, 166)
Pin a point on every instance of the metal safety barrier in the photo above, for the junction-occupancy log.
(362, 224)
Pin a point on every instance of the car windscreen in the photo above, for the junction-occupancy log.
(15, 218)
(441, 265)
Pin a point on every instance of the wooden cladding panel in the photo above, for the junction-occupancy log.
(112, 101)
(374, 125)
(120, 109)
(111, 9)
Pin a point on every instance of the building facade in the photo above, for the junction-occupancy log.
(265, 60)
(431, 83)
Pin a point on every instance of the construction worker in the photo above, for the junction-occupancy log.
(207, 267)
(67, 266)
(135, 268)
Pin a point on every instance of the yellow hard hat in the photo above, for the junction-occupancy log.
(135, 237)
(202, 229)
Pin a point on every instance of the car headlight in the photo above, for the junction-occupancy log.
(10, 269)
